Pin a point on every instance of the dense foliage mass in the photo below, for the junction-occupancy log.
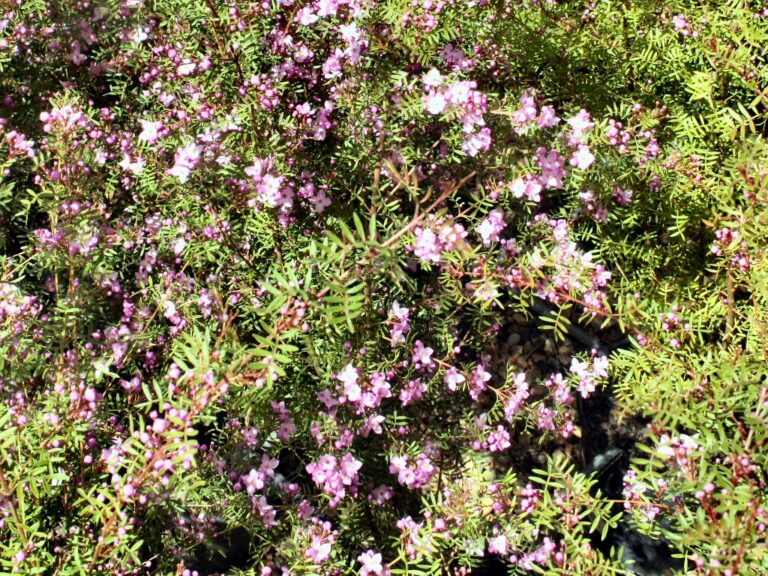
(258, 260)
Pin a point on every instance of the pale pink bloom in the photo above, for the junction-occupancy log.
(320, 201)
(327, 8)
(348, 378)
(427, 245)
(582, 158)
(498, 545)
(490, 228)
(75, 55)
(600, 367)
(528, 186)
(186, 68)
(128, 491)
(306, 17)
(475, 143)
(139, 35)
(453, 378)
(372, 424)
(270, 190)
(179, 245)
(372, 564)
(185, 161)
(459, 92)
(519, 394)
(135, 167)
(422, 355)
(149, 131)
(527, 110)
(412, 392)
(332, 65)
(548, 118)
(552, 171)
(580, 125)
(435, 103)
(319, 551)
(499, 440)
(433, 78)
(399, 312)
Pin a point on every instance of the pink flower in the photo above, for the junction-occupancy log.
(453, 378)
(412, 392)
(254, 481)
(498, 545)
(348, 378)
(186, 68)
(306, 17)
(475, 143)
(527, 110)
(528, 186)
(427, 246)
(186, 160)
(399, 323)
(332, 66)
(580, 125)
(327, 7)
(422, 355)
(498, 441)
(548, 118)
(350, 466)
(552, 171)
(159, 426)
(435, 103)
(477, 380)
(517, 395)
(128, 491)
(582, 158)
(149, 131)
(623, 196)
(372, 424)
(319, 551)
(490, 228)
(135, 167)
(372, 564)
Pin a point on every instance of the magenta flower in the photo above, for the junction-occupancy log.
(623, 196)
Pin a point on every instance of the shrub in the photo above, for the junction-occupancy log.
(260, 261)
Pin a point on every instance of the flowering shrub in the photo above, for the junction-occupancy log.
(259, 261)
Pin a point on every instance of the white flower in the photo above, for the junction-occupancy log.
(433, 78)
